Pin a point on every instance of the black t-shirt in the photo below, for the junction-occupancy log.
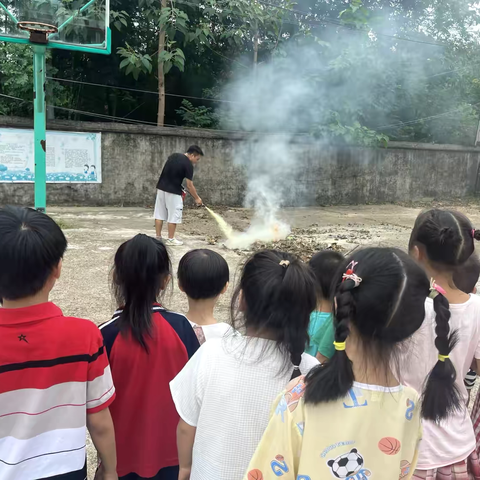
(177, 168)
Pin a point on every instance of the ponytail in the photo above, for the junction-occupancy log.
(441, 396)
(278, 295)
(333, 380)
(296, 338)
(141, 270)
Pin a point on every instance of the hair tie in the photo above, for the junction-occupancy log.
(473, 233)
(435, 289)
(442, 358)
(350, 275)
(296, 367)
(285, 263)
(340, 346)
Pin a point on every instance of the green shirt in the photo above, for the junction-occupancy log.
(321, 334)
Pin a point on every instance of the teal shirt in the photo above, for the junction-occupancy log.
(321, 334)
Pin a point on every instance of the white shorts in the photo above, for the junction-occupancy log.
(168, 207)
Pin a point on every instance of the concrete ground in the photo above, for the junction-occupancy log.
(94, 234)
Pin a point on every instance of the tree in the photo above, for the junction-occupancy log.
(171, 25)
(16, 81)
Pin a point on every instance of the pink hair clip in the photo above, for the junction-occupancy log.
(350, 275)
(435, 289)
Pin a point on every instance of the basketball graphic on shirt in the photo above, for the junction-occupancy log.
(279, 458)
(255, 474)
(293, 396)
(389, 445)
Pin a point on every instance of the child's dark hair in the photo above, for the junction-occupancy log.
(466, 276)
(446, 238)
(325, 265)
(385, 308)
(203, 274)
(141, 269)
(31, 246)
(278, 294)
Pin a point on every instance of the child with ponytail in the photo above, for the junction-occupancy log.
(449, 340)
(349, 418)
(147, 346)
(224, 393)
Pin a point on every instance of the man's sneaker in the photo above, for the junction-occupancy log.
(173, 242)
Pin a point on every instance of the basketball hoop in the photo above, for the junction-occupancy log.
(38, 31)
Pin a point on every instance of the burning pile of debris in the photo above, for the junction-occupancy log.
(298, 243)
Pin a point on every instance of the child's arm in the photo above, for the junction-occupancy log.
(321, 358)
(100, 426)
(185, 440)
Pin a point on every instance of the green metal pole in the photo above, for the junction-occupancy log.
(40, 127)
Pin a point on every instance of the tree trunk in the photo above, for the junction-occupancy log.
(255, 52)
(161, 76)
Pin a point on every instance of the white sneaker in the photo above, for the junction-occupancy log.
(174, 242)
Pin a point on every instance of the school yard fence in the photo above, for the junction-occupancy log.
(133, 156)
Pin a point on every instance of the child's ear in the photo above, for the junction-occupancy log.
(225, 288)
(474, 290)
(57, 271)
(180, 287)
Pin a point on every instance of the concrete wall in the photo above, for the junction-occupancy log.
(133, 156)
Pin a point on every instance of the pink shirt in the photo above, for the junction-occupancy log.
(454, 439)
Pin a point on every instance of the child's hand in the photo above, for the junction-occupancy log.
(110, 476)
(184, 474)
(101, 475)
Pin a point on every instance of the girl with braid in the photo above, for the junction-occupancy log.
(350, 418)
(449, 340)
(225, 392)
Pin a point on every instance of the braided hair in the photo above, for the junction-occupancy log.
(278, 294)
(386, 308)
(447, 239)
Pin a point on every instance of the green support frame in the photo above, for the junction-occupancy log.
(39, 75)
(40, 126)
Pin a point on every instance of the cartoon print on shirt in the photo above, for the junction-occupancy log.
(279, 466)
(410, 409)
(301, 427)
(356, 396)
(294, 395)
(255, 474)
(404, 469)
(281, 408)
(349, 466)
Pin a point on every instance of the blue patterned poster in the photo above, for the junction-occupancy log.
(71, 157)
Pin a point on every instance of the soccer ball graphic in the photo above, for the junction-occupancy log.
(347, 464)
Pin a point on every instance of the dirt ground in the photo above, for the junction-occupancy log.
(94, 234)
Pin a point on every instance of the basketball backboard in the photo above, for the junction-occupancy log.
(82, 24)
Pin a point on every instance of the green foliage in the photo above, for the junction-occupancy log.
(197, 117)
(134, 63)
(367, 81)
(354, 134)
(16, 80)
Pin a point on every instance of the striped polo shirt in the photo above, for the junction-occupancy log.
(53, 371)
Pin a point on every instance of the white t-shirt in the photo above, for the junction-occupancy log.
(216, 330)
(226, 390)
(453, 440)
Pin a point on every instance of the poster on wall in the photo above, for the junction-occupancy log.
(71, 157)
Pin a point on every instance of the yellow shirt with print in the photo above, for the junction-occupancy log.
(373, 433)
